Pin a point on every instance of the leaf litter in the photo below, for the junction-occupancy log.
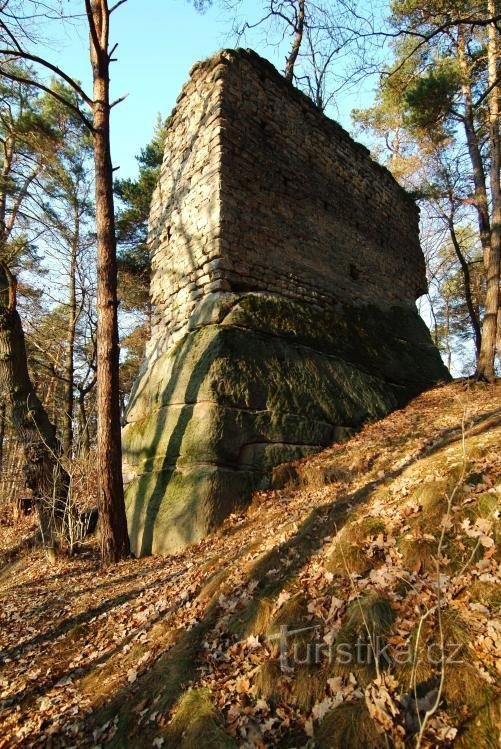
(80, 644)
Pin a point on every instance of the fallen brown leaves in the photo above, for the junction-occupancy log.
(80, 645)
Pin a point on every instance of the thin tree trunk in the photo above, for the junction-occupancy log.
(113, 523)
(436, 337)
(45, 476)
(51, 394)
(4, 174)
(486, 361)
(298, 38)
(465, 269)
(478, 173)
(83, 431)
(69, 370)
(447, 334)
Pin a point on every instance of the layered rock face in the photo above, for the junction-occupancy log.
(285, 268)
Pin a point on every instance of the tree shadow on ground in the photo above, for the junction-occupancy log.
(164, 682)
(73, 621)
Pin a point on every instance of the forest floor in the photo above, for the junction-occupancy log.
(354, 607)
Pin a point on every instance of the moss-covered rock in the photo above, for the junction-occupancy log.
(257, 380)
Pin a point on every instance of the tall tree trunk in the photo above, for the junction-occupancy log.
(486, 361)
(465, 269)
(44, 474)
(50, 396)
(83, 425)
(69, 369)
(478, 172)
(298, 38)
(436, 337)
(113, 523)
(447, 334)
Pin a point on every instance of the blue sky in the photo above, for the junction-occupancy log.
(159, 40)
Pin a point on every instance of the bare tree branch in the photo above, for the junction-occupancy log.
(49, 66)
(46, 89)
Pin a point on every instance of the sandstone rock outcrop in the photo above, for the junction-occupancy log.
(285, 268)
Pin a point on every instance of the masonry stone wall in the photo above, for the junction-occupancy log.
(184, 226)
(286, 264)
(259, 191)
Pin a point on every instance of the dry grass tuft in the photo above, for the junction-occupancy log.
(348, 726)
(196, 724)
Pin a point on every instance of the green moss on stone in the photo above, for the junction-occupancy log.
(266, 381)
(168, 510)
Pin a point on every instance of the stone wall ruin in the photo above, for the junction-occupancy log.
(285, 268)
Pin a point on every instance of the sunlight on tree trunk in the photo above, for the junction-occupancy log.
(113, 523)
(486, 361)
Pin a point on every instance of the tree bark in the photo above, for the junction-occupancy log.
(45, 476)
(465, 269)
(447, 334)
(69, 370)
(298, 38)
(486, 361)
(478, 172)
(113, 523)
(83, 428)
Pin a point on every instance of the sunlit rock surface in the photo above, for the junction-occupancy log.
(285, 268)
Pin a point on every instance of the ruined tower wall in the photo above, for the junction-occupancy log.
(259, 191)
(305, 211)
(285, 268)
(184, 224)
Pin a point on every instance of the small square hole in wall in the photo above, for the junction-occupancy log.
(354, 272)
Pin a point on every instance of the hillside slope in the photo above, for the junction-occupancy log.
(384, 545)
